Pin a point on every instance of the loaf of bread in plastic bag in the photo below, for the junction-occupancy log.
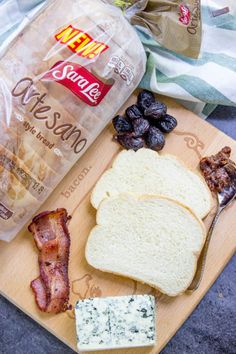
(62, 79)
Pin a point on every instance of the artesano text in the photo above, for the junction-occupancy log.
(36, 105)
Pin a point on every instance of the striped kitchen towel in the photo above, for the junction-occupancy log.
(200, 84)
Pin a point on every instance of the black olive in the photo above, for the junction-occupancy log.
(140, 126)
(129, 141)
(145, 99)
(156, 110)
(122, 124)
(155, 139)
(166, 124)
(133, 112)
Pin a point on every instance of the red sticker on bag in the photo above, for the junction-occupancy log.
(185, 14)
(80, 81)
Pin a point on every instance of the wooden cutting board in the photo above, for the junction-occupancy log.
(192, 139)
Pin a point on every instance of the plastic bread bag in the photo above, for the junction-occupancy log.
(203, 83)
(62, 79)
(174, 24)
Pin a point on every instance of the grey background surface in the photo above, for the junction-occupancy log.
(211, 329)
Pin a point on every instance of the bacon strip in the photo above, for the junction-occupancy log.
(51, 235)
(218, 169)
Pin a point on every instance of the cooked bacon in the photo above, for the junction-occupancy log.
(40, 293)
(52, 238)
(217, 169)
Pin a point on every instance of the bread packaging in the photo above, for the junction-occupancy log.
(61, 81)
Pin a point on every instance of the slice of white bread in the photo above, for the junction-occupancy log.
(151, 239)
(146, 172)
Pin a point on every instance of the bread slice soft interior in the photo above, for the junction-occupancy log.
(146, 172)
(151, 239)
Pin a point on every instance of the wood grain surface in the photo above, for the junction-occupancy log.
(192, 139)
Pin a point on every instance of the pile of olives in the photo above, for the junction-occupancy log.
(144, 124)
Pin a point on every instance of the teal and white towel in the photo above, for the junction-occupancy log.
(200, 84)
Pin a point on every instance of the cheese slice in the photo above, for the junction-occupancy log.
(115, 322)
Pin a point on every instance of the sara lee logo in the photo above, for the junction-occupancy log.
(79, 80)
(184, 14)
(80, 42)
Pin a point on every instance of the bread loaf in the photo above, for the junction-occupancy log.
(147, 172)
(25, 153)
(62, 79)
(150, 239)
(15, 166)
(13, 193)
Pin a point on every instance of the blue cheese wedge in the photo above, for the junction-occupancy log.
(115, 322)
